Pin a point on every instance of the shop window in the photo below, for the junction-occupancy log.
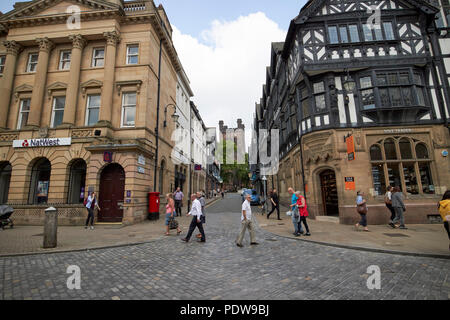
(40, 182)
(389, 149)
(77, 182)
(421, 151)
(405, 149)
(375, 153)
(412, 173)
(5, 178)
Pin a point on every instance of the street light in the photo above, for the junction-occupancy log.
(175, 115)
(349, 83)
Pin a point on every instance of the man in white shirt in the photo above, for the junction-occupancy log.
(196, 213)
(246, 221)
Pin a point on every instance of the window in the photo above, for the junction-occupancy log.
(5, 178)
(98, 58)
(354, 35)
(133, 54)
(23, 113)
(344, 35)
(384, 31)
(367, 96)
(305, 102)
(64, 60)
(93, 109)
(332, 33)
(40, 182)
(32, 62)
(388, 30)
(2, 64)
(412, 173)
(129, 109)
(319, 96)
(58, 111)
(368, 36)
(77, 182)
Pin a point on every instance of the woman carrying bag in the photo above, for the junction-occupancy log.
(361, 208)
(170, 222)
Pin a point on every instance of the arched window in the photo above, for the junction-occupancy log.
(421, 151)
(77, 182)
(40, 182)
(5, 178)
(375, 153)
(389, 149)
(161, 177)
(405, 149)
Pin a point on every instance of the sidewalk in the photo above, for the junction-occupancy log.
(29, 239)
(424, 240)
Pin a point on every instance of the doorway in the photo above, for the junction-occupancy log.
(329, 193)
(111, 195)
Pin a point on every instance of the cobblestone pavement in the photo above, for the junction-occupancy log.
(278, 268)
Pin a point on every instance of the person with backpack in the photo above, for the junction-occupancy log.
(303, 211)
(399, 207)
(361, 208)
(388, 202)
(91, 203)
(444, 211)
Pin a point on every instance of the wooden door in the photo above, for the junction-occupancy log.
(329, 193)
(111, 196)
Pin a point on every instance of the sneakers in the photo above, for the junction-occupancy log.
(308, 234)
(92, 228)
(403, 228)
(239, 245)
(254, 243)
(392, 225)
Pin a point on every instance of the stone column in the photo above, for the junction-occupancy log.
(112, 38)
(40, 81)
(7, 80)
(74, 80)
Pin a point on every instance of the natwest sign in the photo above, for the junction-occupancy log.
(47, 142)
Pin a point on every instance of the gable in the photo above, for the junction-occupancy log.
(38, 8)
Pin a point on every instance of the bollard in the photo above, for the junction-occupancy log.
(50, 228)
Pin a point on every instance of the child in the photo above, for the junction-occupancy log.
(303, 210)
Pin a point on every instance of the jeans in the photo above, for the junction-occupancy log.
(363, 221)
(391, 209)
(277, 207)
(90, 217)
(296, 222)
(399, 217)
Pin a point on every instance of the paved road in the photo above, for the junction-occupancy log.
(278, 268)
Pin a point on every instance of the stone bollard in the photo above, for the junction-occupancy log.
(50, 228)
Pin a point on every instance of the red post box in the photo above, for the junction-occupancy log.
(153, 206)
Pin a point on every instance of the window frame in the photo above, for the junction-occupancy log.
(20, 125)
(95, 59)
(88, 109)
(30, 63)
(129, 46)
(54, 110)
(122, 125)
(2, 63)
(64, 61)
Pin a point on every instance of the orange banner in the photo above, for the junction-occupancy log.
(351, 148)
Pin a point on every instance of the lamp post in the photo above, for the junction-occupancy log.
(175, 115)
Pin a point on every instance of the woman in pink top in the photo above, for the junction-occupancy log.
(303, 210)
(170, 209)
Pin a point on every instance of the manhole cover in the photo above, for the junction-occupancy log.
(396, 235)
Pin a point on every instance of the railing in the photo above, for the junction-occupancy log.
(135, 6)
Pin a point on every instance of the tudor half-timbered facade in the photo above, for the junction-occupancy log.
(372, 70)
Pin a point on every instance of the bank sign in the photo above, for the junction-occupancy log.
(47, 142)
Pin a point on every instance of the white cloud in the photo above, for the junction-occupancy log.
(227, 66)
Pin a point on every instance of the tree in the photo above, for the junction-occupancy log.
(233, 174)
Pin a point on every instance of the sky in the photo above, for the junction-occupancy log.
(224, 47)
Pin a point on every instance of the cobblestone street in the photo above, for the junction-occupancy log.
(278, 268)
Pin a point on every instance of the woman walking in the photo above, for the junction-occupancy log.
(91, 204)
(399, 207)
(361, 207)
(444, 211)
(170, 210)
(303, 210)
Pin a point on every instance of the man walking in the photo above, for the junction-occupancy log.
(275, 204)
(298, 230)
(196, 213)
(246, 221)
(201, 198)
(178, 197)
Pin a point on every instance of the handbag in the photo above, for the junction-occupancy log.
(173, 224)
(362, 209)
(289, 213)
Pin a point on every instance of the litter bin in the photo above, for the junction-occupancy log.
(153, 206)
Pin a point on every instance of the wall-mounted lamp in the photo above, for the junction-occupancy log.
(175, 115)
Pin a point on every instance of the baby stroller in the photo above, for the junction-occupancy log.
(5, 214)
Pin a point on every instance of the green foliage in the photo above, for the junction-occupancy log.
(235, 174)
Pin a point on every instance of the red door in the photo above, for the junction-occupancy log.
(112, 188)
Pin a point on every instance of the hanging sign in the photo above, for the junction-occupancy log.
(351, 148)
(107, 156)
(350, 184)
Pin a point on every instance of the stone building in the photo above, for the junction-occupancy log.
(78, 108)
(361, 106)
